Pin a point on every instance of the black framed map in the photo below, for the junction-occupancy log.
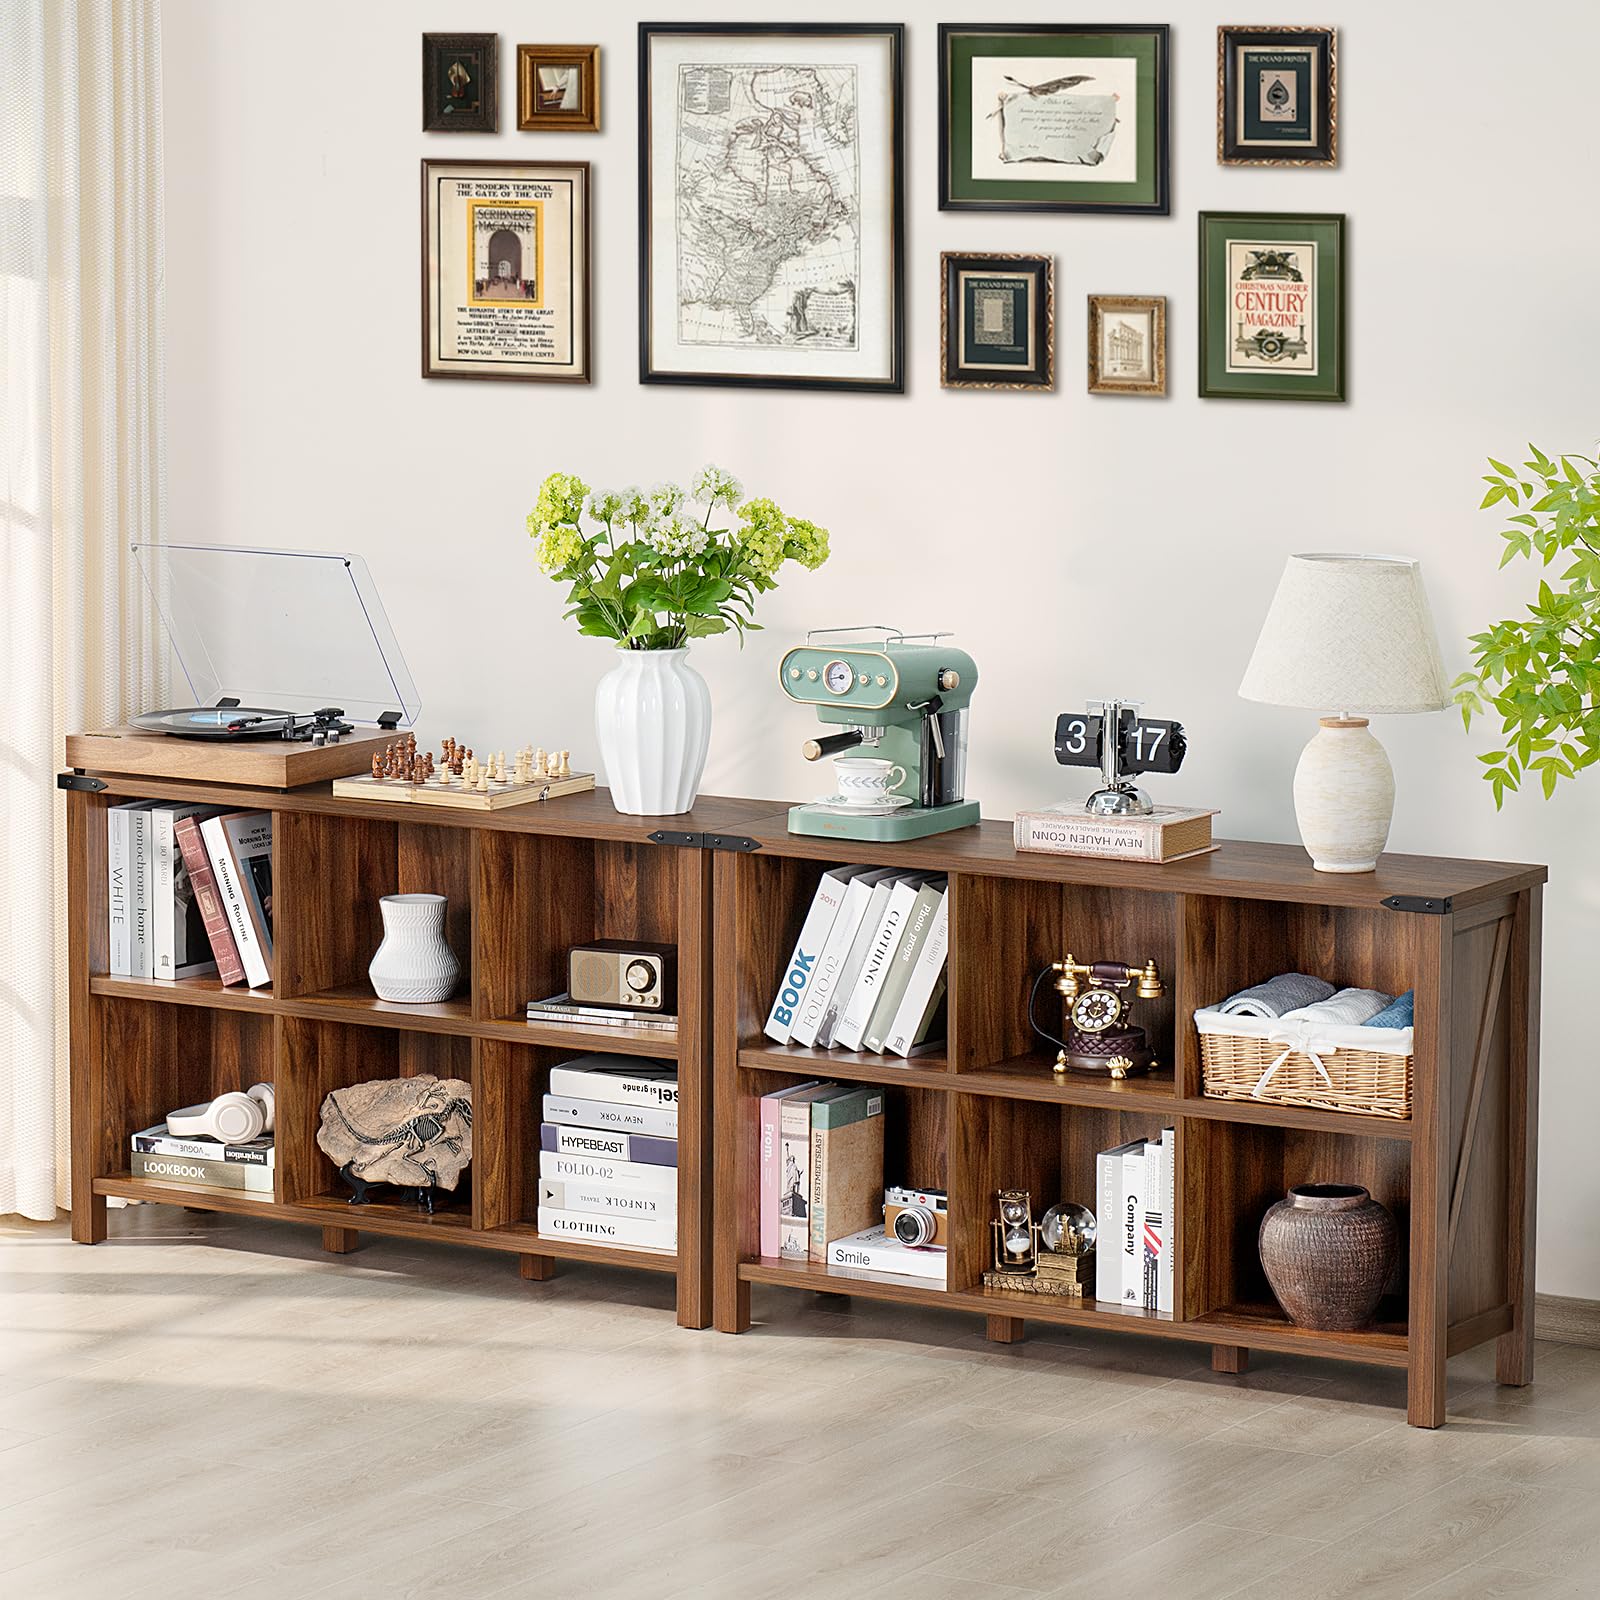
(771, 205)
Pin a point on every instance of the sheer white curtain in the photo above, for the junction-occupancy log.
(81, 477)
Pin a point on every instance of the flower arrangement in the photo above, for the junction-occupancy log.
(653, 573)
(1541, 672)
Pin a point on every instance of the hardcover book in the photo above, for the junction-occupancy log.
(1129, 1220)
(634, 1175)
(203, 884)
(231, 894)
(157, 1141)
(564, 1011)
(850, 970)
(622, 1080)
(807, 948)
(659, 1121)
(580, 1194)
(1109, 1257)
(203, 1174)
(814, 1004)
(181, 946)
(1168, 833)
(873, 1250)
(857, 1011)
(119, 863)
(925, 989)
(771, 1165)
(569, 1141)
(249, 836)
(897, 977)
(635, 1232)
(141, 961)
(846, 1165)
(794, 1169)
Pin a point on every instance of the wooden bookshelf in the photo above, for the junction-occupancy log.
(523, 885)
(986, 1112)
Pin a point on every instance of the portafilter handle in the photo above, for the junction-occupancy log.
(831, 743)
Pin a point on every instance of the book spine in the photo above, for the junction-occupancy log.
(565, 1010)
(165, 1144)
(605, 1199)
(142, 958)
(897, 974)
(249, 839)
(231, 897)
(117, 867)
(1130, 1217)
(659, 1121)
(794, 1157)
(211, 1174)
(1167, 1296)
(923, 991)
(802, 963)
(203, 884)
(1108, 1259)
(163, 894)
(1053, 835)
(771, 1173)
(635, 1175)
(598, 1229)
(857, 1010)
(617, 1088)
(569, 1141)
(814, 1004)
(1154, 1229)
(817, 1222)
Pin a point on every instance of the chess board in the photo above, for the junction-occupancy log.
(396, 791)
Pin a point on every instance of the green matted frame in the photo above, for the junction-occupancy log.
(1326, 229)
(1147, 43)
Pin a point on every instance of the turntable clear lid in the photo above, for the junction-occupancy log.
(281, 630)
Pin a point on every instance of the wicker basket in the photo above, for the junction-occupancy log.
(1362, 1070)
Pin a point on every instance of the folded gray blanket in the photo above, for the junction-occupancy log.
(1277, 995)
(1347, 1009)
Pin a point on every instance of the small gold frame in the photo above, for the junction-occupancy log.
(584, 59)
(1156, 306)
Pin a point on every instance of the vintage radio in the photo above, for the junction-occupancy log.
(624, 974)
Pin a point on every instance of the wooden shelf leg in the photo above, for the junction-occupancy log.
(1004, 1330)
(730, 1310)
(88, 1218)
(537, 1269)
(340, 1241)
(1432, 946)
(1230, 1358)
(1513, 1351)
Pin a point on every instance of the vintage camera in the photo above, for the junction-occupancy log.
(623, 974)
(917, 1216)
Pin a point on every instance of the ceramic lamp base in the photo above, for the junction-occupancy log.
(1344, 796)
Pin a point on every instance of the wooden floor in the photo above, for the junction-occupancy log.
(208, 1406)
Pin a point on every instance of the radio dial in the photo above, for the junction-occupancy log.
(641, 977)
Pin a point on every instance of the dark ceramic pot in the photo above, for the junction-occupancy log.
(1327, 1249)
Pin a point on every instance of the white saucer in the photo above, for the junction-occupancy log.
(878, 808)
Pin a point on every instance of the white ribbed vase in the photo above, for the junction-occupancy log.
(652, 718)
(1344, 796)
(415, 965)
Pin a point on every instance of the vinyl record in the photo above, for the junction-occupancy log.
(214, 722)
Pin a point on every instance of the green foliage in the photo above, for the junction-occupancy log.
(652, 573)
(1541, 672)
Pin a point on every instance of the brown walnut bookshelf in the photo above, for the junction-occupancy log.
(523, 885)
(984, 1111)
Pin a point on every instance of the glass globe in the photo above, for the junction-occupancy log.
(1068, 1228)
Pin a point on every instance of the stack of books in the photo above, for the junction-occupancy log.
(164, 1158)
(868, 970)
(1163, 834)
(608, 1159)
(821, 1166)
(189, 892)
(1137, 1223)
(564, 1011)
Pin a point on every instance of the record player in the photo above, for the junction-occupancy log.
(291, 669)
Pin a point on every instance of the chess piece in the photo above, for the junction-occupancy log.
(540, 763)
(482, 784)
(376, 765)
(564, 764)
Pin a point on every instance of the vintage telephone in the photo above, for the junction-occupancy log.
(1099, 1036)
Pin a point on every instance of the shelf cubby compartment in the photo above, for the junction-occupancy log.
(329, 874)
(1232, 1174)
(540, 894)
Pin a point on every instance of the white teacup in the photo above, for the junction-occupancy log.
(866, 780)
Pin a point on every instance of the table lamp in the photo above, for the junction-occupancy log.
(1353, 634)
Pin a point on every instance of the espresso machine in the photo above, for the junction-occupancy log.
(899, 697)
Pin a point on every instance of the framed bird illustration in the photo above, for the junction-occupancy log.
(1054, 117)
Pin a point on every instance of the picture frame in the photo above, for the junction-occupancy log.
(1277, 97)
(558, 88)
(1127, 344)
(799, 287)
(1272, 305)
(997, 321)
(461, 83)
(506, 270)
(1049, 143)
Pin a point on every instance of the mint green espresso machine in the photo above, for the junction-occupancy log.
(897, 697)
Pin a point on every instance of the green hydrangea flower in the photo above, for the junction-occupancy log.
(561, 498)
(807, 543)
(605, 507)
(765, 531)
(559, 546)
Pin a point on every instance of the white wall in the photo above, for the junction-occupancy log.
(1080, 545)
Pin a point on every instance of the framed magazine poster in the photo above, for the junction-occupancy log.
(1054, 117)
(1272, 305)
(505, 270)
(772, 205)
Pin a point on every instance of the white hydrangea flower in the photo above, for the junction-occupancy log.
(679, 536)
(713, 485)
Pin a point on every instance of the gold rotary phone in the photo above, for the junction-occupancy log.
(1099, 1037)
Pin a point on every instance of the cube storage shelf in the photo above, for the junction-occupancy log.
(522, 886)
(986, 1112)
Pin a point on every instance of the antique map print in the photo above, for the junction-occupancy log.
(767, 197)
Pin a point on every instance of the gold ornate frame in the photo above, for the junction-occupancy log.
(1156, 305)
(586, 58)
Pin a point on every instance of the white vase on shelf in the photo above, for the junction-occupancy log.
(414, 965)
(652, 719)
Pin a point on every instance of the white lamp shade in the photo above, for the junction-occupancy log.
(1348, 633)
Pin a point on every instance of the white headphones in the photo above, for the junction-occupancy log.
(231, 1118)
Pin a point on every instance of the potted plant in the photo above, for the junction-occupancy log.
(1541, 672)
(653, 574)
